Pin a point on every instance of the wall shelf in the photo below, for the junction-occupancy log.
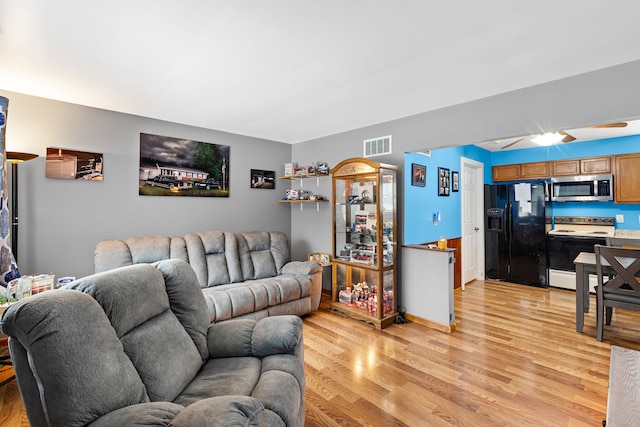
(302, 203)
(304, 176)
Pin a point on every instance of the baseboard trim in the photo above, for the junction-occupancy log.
(448, 329)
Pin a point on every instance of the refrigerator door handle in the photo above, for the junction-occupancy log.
(508, 221)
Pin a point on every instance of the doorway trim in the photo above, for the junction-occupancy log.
(479, 213)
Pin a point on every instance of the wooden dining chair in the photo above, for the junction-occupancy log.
(618, 284)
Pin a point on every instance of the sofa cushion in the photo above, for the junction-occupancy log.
(227, 411)
(221, 377)
(157, 414)
(214, 257)
(135, 300)
(262, 254)
(239, 299)
(149, 249)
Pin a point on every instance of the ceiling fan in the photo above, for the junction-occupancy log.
(562, 136)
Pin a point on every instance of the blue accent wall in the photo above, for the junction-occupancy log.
(421, 203)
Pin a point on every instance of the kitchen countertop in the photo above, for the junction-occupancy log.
(627, 234)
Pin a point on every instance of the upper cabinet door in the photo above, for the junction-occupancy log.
(627, 178)
(506, 172)
(535, 170)
(595, 165)
(566, 167)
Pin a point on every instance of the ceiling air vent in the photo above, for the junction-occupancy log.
(377, 146)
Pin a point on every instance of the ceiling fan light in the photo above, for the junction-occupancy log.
(548, 138)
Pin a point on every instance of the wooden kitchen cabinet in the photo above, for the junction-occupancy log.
(585, 166)
(626, 180)
(565, 167)
(595, 165)
(506, 172)
(535, 170)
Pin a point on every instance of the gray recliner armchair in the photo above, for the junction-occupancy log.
(133, 347)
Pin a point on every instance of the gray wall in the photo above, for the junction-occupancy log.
(62, 220)
(606, 95)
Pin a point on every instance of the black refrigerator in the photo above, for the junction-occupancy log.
(515, 233)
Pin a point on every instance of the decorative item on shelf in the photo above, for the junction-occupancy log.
(304, 195)
(288, 168)
(291, 194)
(322, 168)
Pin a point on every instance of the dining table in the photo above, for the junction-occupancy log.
(585, 264)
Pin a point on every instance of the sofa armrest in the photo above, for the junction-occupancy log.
(296, 268)
(311, 269)
(261, 338)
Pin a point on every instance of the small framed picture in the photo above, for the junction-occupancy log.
(263, 179)
(418, 173)
(455, 182)
(443, 181)
(321, 257)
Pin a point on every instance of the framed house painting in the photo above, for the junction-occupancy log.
(182, 167)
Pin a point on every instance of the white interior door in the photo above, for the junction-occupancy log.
(472, 205)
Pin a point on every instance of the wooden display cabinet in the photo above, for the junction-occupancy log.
(364, 241)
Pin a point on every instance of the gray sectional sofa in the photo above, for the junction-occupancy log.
(134, 346)
(242, 275)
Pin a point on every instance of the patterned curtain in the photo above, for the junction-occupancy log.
(8, 266)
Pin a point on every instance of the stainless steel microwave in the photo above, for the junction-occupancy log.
(582, 188)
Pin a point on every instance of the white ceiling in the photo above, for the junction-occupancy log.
(295, 70)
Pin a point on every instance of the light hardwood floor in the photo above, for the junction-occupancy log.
(514, 360)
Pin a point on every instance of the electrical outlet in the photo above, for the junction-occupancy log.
(620, 219)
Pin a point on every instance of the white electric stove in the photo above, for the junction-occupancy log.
(570, 236)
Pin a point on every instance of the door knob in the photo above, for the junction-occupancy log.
(477, 228)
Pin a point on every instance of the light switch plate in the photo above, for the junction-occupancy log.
(620, 219)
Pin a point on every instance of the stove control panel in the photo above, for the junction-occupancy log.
(586, 220)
